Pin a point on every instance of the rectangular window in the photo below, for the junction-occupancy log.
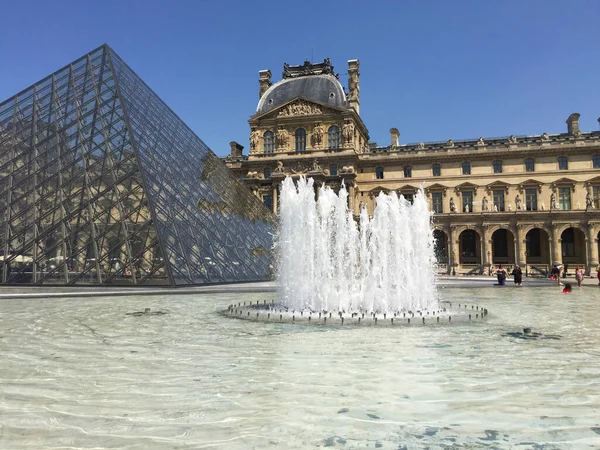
(467, 198)
(407, 172)
(596, 161)
(409, 197)
(563, 163)
(499, 200)
(437, 170)
(379, 173)
(596, 196)
(466, 168)
(333, 170)
(268, 201)
(564, 198)
(497, 165)
(531, 199)
(529, 165)
(437, 202)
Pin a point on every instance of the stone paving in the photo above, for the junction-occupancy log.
(7, 292)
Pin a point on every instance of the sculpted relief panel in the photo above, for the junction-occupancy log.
(299, 109)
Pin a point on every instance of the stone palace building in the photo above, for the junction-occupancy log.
(528, 200)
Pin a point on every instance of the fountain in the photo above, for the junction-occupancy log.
(331, 267)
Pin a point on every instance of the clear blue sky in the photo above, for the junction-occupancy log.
(433, 69)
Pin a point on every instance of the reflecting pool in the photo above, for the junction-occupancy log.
(83, 373)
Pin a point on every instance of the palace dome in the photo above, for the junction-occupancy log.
(322, 88)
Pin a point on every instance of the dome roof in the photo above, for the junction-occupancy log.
(320, 88)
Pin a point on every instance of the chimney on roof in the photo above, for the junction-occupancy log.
(395, 137)
(573, 124)
(236, 149)
(264, 80)
(353, 85)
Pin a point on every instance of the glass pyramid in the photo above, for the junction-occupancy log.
(101, 183)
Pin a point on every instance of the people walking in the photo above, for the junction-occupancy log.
(517, 274)
(579, 275)
(501, 275)
(555, 273)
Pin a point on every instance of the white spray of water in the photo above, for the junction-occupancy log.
(328, 261)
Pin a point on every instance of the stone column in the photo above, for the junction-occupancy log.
(486, 247)
(555, 245)
(264, 81)
(353, 84)
(592, 248)
(351, 193)
(454, 250)
(520, 246)
(275, 200)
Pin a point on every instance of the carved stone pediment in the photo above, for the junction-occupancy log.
(466, 186)
(377, 189)
(497, 185)
(592, 182)
(299, 108)
(436, 187)
(407, 188)
(531, 183)
(564, 182)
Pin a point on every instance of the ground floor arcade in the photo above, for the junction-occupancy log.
(478, 245)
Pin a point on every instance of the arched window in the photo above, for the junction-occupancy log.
(529, 165)
(563, 163)
(497, 165)
(300, 139)
(333, 137)
(466, 168)
(379, 173)
(407, 171)
(269, 142)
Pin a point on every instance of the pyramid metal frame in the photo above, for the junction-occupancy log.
(102, 183)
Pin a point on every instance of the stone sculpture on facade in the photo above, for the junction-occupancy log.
(553, 201)
(348, 132)
(353, 85)
(466, 208)
(512, 139)
(452, 205)
(480, 141)
(545, 137)
(450, 143)
(589, 204)
(317, 135)
(279, 168)
(299, 109)
(421, 145)
(518, 202)
(254, 139)
(484, 204)
(315, 166)
(282, 138)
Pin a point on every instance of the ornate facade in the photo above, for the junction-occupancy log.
(527, 200)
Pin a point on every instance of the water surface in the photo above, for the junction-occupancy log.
(80, 373)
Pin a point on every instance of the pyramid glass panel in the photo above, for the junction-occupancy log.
(101, 183)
